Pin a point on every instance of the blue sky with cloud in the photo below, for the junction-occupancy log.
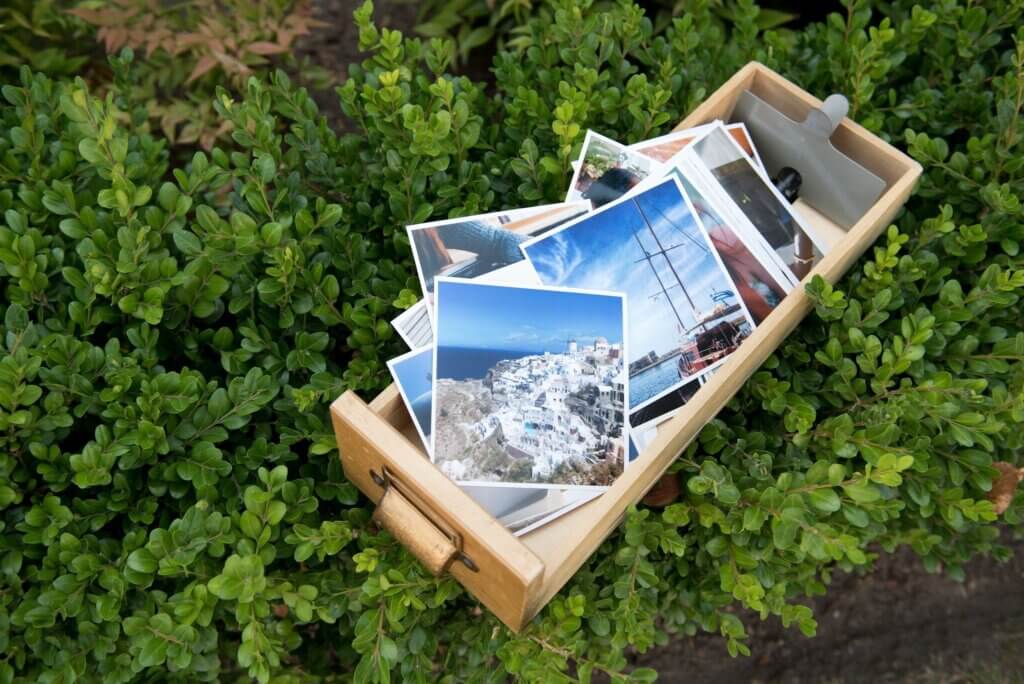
(480, 316)
(601, 252)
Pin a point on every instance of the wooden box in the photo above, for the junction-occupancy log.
(515, 577)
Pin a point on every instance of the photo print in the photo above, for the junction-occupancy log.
(520, 510)
(530, 385)
(665, 147)
(639, 440)
(413, 373)
(761, 286)
(607, 170)
(413, 326)
(760, 203)
(481, 246)
(523, 509)
(684, 314)
(664, 406)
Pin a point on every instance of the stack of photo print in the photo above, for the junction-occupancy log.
(552, 341)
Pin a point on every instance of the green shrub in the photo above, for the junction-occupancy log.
(473, 23)
(40, 35)
(171, 500)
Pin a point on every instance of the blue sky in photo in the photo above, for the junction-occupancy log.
(601, 252)
(480, 316)
(414, 371)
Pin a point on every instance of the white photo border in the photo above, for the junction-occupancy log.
(577, 168)
(625, 372)
(698, 132)
(559, 512)
(799, 220)
(398, 323)
(427, 443)
(696, 174)
(524, 246)
(521, 212)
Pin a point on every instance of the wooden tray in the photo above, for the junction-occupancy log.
(515, 577)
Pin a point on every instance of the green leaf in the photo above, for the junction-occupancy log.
(141, 560)
(862, 493)
(153, 653)
(784, 533)
(266, 167)
(187, 243)
(824, 500)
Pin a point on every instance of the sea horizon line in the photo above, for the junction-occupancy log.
(494, 349)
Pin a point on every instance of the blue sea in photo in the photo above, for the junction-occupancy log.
(413, 375)
(654, 380)
(462, 363)
(479, 324)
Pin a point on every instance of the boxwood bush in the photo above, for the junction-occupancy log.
(171, 502)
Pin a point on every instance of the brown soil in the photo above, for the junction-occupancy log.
(336, 45)
(896, 624)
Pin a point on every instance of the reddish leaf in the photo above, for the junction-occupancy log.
(113, 38)
(1005, 486)
(285, 37)
(94, 17)
(205, 63)
(266, 48)
(188, 40)
(160, 39)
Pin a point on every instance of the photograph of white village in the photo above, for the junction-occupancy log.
(551, 416)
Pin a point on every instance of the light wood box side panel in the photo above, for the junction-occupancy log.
(390, 407)
(508, 573)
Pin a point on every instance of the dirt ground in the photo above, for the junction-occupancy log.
(335, 45)
(897, 624)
